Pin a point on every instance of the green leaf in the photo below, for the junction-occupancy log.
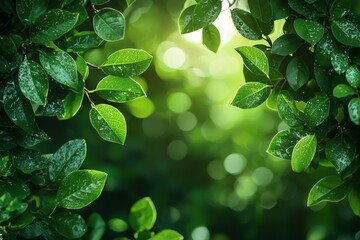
(52, 25)
(303, 153)
(340, 61)
(354, 201)
(303, 8)
(6, 141)
(254, 59)
(29, 10)
(297, 73)
(324, 50)
(83, 41)
(309, 30)
(261, 9)
(80, 188)
(167, 234)
(251, 95)
(7, 47)
(346, 32)
(328, 189)
(28, 161)
(109, 24)
(246, 24)
(322, 78)
(129, 2)
(15, 187)
(286, 44)
(287, 109)
(280, 9)
(120, 90)
(316, 111)
(353, 76)
(211, 38)
(142, 215)
(72, 103)
(354, 110)
(33, 82)
(6, 166)
(127, 63)
(117, 225)
(283, 143)
(69, 225)
(199, 16)
(340, 8)
(340, 151)
(61, 67)
(22, 221)
(343, 90)
(99, 2)
(18, 108)
(97, 225)
(109, 123)
(77, 7)
(82, 67)
(31, 140)
(34, 229)
(67, 159)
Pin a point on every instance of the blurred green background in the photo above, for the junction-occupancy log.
(202, 161)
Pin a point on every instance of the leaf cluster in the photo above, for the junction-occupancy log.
(309, 74)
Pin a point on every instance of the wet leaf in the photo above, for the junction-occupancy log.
(69, 224)
(246, 24)
(142, 215)
(354, 110)
(254, 59)
(109, 24)
(303, 153)
(251, 95)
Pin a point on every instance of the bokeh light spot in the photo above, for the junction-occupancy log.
(262, 176)
(187, 121)
(177, 150)
(235, 163)
(200, 233)
(154, 126)
(245, 188)
(174, 57)
(141, 108)
(268, 200)
(216, 170)
(178, 102)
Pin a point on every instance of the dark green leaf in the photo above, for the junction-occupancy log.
(67, 159)
(354, 110)
(97, 225)
(354, 201)
(18, 108)
(246, 24)
(346, 32)
(52, 25)
(29, 10)
(6, 141)
(6, 166)
(328, 189)
(7, 47)
(127, 63)
(287, 109)
(340, 8)
(303, 153)
(211, 38)
(109, 24)
(22, 221)
(34, 229)
(80, 188)
(254, 59)
(99, 2)
(251, 95)
(109, 123)
(317, 110)
(309, 30)
(167, 235)
(117, 89)
(322, 78)
(77, 7)
(353, 76)
(15, 187)
(303, 8)
(340, 61)
(69, 225)
(324, 50)
(286, 44)
(28, 161)
(343, 90)
(200, 15)
(33, 81)
(142, 215)
(261, 9)
(83, 41)
(280, 9)
(283, 143)
(340, 151)
(61, 67)
(297, 73)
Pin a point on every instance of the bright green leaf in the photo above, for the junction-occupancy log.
(303, 153)
(287, 109)
(309, 30)
(109, 24)
(109, 123)
(142, 215)
(354, 110)
(80, 188)
(117, 89)
(167, 234)
(340, 61)
(69, 224)
(129, 2)
(297, 73)
(61, 67)
(254, 59)
(246, 24)
(211, 38)
(328, 189)
(52, 25)
(18, 108)
(67, 159)
(354, 201)
(343, 90)
(251, 95)
(97, 225)
(353, 76)
(346, 32)
(33, 82)
(127, 63)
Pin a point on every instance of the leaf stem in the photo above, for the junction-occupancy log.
(88, 96)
